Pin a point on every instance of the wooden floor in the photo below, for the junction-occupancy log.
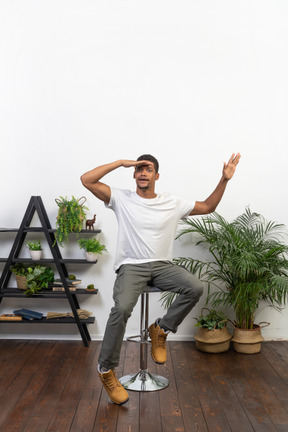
(53, 386)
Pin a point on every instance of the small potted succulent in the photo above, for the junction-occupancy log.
(90, 288)
(35, 249)
(92, 248)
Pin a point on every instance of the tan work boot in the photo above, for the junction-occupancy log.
(115, 390)
(158, 338)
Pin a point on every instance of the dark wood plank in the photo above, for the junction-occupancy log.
(54, 386)
(29, 364)
(62, 363)
(277, 355)
(18, 417)
(244, 387)
(88, 404)
(188, 396)
(272, 379)
(237, 418)
(107, 413)
(150, 403)
(11, 354)
(170, 409)
(261, 389)
(68, 403)
(212, 409)
(129, 415)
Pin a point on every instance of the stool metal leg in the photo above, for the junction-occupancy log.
(143, 380)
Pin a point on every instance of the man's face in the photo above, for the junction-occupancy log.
(145, 176)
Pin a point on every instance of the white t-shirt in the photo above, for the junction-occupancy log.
(146, 227)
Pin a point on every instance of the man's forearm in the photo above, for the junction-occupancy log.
(91, 180)
(214, 199)
(211, 203)
(96, 174)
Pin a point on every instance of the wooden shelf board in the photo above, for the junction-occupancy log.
(64, 320)
(15, 292)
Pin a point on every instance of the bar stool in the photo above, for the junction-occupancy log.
(143, 380)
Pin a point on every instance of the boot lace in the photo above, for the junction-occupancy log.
(112, 381)
(162, 339)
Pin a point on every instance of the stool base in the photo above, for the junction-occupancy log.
(144, 381)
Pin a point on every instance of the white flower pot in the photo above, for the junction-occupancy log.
(35, 255)
(90, 256)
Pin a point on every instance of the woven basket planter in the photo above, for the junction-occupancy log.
(212, 341)
(21, 282)
(247, 341)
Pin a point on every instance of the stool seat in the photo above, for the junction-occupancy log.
(143, 380)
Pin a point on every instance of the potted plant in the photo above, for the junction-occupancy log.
(20, 272)
(92, 248)
(90, 288)
(32, 278)
(35, 249)
(247, 264)
(212, 335)
(70, 218)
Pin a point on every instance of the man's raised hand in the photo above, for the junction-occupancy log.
(131, 163)
(230, 167)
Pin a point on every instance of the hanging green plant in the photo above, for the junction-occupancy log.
(70, 218)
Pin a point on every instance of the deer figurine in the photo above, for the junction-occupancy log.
(90, 223)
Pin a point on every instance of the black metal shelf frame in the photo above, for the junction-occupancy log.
(36, 205)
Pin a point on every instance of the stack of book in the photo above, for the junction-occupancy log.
(72, 284)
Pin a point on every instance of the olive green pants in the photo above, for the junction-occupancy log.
(130, 282)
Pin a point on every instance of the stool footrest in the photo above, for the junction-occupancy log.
(139, 340)
(144, 381)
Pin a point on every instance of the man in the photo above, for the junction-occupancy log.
(147, 223)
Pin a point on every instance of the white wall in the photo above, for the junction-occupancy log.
(86, 82)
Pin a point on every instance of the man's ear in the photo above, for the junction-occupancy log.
(134, 174)
(157, 176)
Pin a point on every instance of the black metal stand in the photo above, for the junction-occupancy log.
(143, 380)
(36, 205)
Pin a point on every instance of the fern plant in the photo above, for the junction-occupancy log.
(247, 263)
(70, 218)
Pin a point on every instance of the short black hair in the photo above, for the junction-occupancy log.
(150, 158)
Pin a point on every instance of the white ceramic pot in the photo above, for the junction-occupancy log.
(35, 255)
(90, 256)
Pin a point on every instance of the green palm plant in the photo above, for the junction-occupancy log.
(248, 263)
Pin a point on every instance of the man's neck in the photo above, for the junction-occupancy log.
(148, 194)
